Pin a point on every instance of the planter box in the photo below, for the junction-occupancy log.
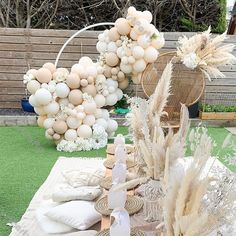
(218, 115)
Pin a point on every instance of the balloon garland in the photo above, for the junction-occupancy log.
(69, 103)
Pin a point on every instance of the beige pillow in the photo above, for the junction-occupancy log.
(65, 192)
(77, 214)
(84, 177)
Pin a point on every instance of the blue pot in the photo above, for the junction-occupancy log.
(26, 105)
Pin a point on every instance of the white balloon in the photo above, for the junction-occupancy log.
(85, 61)
(79, 108)
(101, 37)
(52, 108)
(126, 68)
(147, 15)
(33, 86)
(112, 47)
(51, 88)
(43, 96)
(102, 122)
(101, 46)
(144, 41)
(139, 65)
(98, 113)
(48, 123)
(40, 111)
(89, 107)
(62, 90)
(111, 89)
(138, 52)
(89, 120)
(92, 71)
(111, 99)
(84, 131)
(112, 126)
(105, 114)
(81, 115)
(100, 100)
(119, 93)
(33, 102)
(44, 85)
(141, 26)
(71, 135)
(150, 54)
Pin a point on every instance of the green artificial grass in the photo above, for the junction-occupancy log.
(26, 159)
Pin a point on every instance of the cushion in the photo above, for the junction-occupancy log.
(77, 214)
(65, 192)
(48, 225)
(84, 177)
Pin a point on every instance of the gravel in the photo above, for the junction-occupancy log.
(15, 112)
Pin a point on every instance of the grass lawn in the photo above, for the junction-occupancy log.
(26, 159)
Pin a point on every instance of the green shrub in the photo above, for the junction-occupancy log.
(217, 108)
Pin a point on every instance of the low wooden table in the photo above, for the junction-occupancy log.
(105, 223)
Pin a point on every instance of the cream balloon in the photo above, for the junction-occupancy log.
(84, 82)
(138, 52)
(90, 90)
(102, 122)
(48, 136)
(70, 135)
(111, 126)
(150, 54)
(84, 131)
(43, 96)
(92, 71)
(85, 61)
(126, 68)
(139, 65)
(101, 46)
(52, 108)
(33, 86)
(147, 15)
(89, 107)
(81, 116)
(40, 111)
(89, 120)
(63, 101)
(112, 47)
(50, 66)
(144, 41)
(100, 100)
(32, 72)
(40, 120)
(50, 131)
(98, 113)
(73, 122)
(111, 99)
(48, 123)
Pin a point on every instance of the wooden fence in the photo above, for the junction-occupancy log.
(21, 49)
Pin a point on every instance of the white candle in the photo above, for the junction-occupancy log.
(116, 198)
(119, 173)
(120, 154)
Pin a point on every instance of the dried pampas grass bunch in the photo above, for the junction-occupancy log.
(195, 203)
(207, 53)
(156, 151)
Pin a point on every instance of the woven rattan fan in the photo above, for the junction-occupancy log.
(187, 85)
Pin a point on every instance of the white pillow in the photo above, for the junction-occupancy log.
(48, 225)
(65, 192)
(84, 177)
(77, 214)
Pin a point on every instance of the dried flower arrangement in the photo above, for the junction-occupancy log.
(154, 149)
(206, 53)
(197, 204)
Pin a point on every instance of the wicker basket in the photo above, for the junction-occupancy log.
(187, 85)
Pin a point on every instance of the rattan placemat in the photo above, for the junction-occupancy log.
(134, 232)
(106, 183)
(133, 205)
(110, 162)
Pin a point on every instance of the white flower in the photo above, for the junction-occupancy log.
(61, 76)
(27, 78)
(191, 60)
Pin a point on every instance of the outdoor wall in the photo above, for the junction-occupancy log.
(21, 49)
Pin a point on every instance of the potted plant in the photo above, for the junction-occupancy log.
(26, 106)
(217, 112)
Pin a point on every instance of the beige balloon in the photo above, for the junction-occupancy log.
(44, 75)
(75, 97)
(60, 126)
(111, 59)
(73, 81)
(90, 90)
(40, 120)
(50, 66)
(124, 84)
(123, 26)
(113, 34)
